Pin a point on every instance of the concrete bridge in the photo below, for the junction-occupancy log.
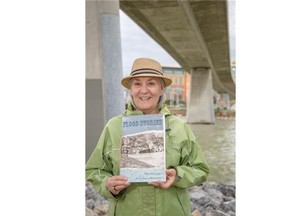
(195, 33)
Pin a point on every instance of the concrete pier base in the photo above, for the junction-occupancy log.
(104, 93)
(200, 108)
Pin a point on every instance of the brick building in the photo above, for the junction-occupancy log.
(177, 93)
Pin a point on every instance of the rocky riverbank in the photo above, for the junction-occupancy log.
(208, 199)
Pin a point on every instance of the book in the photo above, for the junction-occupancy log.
(143, 148)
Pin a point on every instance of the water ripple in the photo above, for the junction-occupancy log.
(218, 144)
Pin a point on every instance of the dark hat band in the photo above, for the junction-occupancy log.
(146, 71)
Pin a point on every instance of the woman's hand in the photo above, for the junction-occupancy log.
(170, 178)
(115, 184)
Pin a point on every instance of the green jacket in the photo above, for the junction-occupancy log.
(141, 199)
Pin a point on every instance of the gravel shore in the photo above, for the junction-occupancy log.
(208, 199)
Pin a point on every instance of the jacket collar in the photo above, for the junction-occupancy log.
(131, 111)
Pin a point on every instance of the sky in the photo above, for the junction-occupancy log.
(137, 43)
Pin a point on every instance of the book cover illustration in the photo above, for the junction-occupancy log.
(143, 148)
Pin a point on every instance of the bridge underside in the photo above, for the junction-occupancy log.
(193, 32)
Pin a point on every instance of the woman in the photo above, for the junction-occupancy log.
(186, 165)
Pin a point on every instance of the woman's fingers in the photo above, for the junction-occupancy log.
(117, 183)
(170, 178)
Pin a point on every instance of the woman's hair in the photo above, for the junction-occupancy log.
(161, 101)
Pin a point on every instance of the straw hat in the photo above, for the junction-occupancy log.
(145, 67)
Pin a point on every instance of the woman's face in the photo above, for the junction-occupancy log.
(146, 92)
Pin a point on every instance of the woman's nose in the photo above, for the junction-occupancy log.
(144, 88)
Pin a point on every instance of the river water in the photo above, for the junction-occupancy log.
(218, 144)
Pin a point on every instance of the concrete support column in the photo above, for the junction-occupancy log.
(104, 94)
(200, 108)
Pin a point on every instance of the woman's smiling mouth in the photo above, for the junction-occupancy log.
(145, 98)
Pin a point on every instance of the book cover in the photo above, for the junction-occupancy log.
(143, 148)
